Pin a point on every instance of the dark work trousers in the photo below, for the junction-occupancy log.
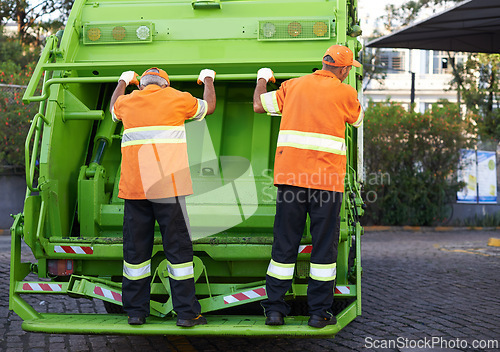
(292, 206)
(138, 237)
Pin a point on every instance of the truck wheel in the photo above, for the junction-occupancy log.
(112, 308)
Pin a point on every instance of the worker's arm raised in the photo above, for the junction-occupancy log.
(207, 77)
(126, 78)
(263, 76)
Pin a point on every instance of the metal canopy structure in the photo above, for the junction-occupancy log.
(471, 26)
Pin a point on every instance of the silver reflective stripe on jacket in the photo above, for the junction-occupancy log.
(202, 110)
(113, 116)
(153, 135)
(312, 141)
(270, 103)
(360, 119)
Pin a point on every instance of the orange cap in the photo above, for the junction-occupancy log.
(342, 56)
(160, 73)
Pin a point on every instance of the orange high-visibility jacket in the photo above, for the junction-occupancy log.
(154, 150)
(311, 150)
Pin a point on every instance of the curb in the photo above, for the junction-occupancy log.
(429, 228)
(494, 242)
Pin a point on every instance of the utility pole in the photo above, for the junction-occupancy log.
(412, 90)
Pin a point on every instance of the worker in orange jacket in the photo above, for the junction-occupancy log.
(154, 182)
(309, 171)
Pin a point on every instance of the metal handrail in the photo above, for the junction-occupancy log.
(37, 73)
(36, 127)
(108, 79)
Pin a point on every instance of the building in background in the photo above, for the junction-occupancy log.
(10, 29)
(433, 74)
(433, 69)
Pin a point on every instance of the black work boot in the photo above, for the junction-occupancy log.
(187, 323)
(317, 321)
(136, 320)
(274, 318)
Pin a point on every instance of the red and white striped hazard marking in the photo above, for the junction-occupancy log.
(305, 249)
(104, 292)
(243, 296)
(73, 249)
(342, 290)
(41, 287)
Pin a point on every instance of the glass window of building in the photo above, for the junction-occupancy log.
(394, 60)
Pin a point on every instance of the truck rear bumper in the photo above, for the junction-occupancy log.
(218, 325)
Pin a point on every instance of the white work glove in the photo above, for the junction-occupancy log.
(204, 74)
(129, 77)
(267, 74)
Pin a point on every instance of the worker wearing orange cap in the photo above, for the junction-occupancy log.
(309, 171)
(154, 181)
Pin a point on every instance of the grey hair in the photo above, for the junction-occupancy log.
(153, 79)
(328, 58)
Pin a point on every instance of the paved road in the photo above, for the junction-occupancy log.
(439, 291)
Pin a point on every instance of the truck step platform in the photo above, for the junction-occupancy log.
(218, 325)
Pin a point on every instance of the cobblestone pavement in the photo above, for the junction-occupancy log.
(422, 291)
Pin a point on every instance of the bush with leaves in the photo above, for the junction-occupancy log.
(478, 82)
(15, 115)
(411, 161)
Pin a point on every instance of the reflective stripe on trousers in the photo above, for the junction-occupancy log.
(137, 271)
(181, 271)
(280, 271)
(323, 272)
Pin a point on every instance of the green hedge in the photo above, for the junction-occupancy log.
(411, 161)
(15, 116)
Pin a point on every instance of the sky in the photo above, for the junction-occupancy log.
(371, 10)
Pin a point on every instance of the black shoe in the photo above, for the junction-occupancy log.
(136, 320)
(199, 320)
(317, 321)
(274, 318)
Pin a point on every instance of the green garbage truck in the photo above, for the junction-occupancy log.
(72, 216)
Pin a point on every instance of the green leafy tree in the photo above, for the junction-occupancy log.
(13, 51)
(18, 57)
(411, 163)
(16, 68)
(28, 15)
(478, 82)
(373, 70)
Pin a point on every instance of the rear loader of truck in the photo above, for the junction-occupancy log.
(72, 217)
